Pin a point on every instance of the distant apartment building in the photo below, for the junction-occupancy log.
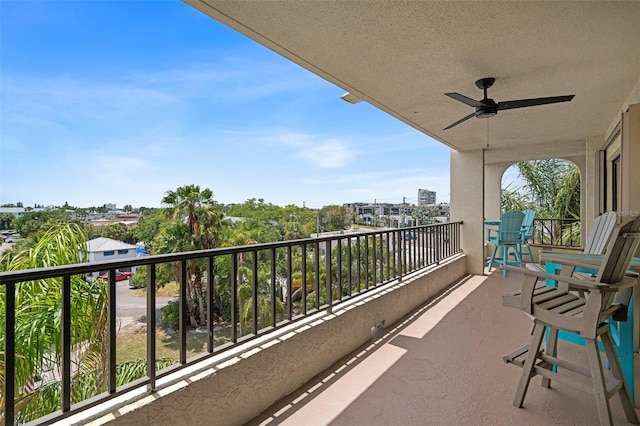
(426, 197)
(20, 211)
(443, 208)
(129, 220)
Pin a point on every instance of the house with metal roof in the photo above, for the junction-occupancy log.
(101, 249)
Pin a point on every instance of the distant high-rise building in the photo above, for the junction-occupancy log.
(426, 197)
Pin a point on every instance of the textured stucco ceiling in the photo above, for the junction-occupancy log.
(403, 56)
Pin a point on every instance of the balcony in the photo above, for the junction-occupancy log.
(441, 365)
(438, 363)
(353, 281)
(438, 359)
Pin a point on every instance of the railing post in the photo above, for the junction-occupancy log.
(349, 268)
(339, 263)
(388, 244)
(254, 292)
(366, 262)
(66, 339)
(327, 263)
(234, 297)
(304, 280)
(183, 311)
(374, 258)
(400, 255)
(273, 287)
(10, 352)
(358, 264)
(289, 283)
(381, 258)
(111, 338)
(210, 302)
(151, 326)
(316, 263)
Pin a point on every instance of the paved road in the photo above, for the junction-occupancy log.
(131, 310)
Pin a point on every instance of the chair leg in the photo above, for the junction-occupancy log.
(529, 363)
(551, 350)
(530, 254)
(493, 256)
(616, 370)
(518, 255)
(505, 260)
(599, 384)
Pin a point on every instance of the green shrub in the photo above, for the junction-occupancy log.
(139, 279)
(171, 315)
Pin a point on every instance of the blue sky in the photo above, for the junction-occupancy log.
(120, 101)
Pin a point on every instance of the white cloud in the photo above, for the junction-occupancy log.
(329, 153)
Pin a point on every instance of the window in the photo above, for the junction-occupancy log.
(123, 251)
(615, 183)
(109, 253)
(610, 169)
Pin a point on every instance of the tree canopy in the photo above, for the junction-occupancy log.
(551, 188)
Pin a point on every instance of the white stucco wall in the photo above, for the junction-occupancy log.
(467, 204)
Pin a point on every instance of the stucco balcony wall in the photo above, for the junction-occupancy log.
(234, 388)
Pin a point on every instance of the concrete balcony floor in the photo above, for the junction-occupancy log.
(442, 365)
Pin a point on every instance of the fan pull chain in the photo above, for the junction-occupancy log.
(487, 133)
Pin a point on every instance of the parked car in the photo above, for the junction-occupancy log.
(410, 236)
(13, 239)
(120, 276)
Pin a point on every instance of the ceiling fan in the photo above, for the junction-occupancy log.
(487, 107)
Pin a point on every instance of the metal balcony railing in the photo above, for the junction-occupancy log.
(557, 232)
(267, 286)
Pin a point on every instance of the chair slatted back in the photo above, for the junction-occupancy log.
(527, 224)
(600, 233)
(510, 225)
(622, 246)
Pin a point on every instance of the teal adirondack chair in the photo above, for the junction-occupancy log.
(526, 233)
(505, 238)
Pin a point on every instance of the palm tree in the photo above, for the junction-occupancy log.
(38, 304)
(196, 208)
(246, 301)
(175, 239)
(553, 186)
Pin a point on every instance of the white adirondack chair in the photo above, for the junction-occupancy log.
(586, 314)
(596, 242)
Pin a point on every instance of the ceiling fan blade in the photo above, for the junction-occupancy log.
(460, 121)
(523, 103)
(462, 98)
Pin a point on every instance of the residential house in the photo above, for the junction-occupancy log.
(102, 249)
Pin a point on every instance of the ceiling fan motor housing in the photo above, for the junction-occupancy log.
(487, 109)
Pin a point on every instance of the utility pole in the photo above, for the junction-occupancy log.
(375, 202)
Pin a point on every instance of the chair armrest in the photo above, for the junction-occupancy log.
(585, 261)
(627, 281)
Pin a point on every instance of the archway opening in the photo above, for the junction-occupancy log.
(551, 188)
